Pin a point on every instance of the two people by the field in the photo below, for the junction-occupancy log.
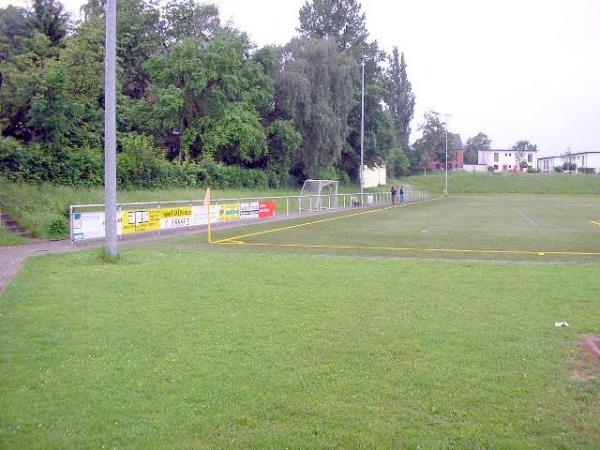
(397, 194)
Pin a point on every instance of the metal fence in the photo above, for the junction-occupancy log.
(87, 221)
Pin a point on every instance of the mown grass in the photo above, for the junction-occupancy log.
(485, 183)
(196, 349)
(464, 226)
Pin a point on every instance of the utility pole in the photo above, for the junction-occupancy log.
(110, 137)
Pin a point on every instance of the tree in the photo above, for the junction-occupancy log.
(432, 143)
(398, 163)
(189, 19)
(316, 89)
(521, 148)
(14, 31)
(341, 20)
(49, 18)
(399, 97)
(475, 144)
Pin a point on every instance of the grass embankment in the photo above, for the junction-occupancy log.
(485, 183)
(203, 349)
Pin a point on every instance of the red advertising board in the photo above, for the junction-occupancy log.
(266, 209)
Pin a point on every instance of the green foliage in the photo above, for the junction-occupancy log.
(432, 144)
(341, 20)
(192, 90)
(316, 90)
(558, 169)
(399, 97)
(58, 228)
(475, 144)
(398, 164)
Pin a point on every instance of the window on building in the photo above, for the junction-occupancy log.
(510, 154)
(510, 166)
(529, 157)
(496, 158)
(496, 166)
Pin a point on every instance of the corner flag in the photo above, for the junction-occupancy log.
(207, 204)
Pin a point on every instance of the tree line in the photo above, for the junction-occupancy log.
(198, 102)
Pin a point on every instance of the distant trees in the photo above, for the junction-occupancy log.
(475, 144)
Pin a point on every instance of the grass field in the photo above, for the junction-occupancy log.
(8, 238)
(189, 345)
(486, 183)
(465, 226)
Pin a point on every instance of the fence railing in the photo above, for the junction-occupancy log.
(87, 221)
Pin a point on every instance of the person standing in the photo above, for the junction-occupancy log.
(401, 194)
(394, 192)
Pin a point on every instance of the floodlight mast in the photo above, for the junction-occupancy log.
(110, 138)
(446, 165)
(362, 123)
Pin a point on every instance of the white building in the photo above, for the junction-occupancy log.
(584, 161)
(374, 176)
(506, 160)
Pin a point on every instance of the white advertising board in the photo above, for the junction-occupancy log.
(249, 210)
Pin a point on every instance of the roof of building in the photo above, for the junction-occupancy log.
(562, 156)
(506, 150)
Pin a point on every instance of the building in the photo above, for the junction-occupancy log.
(456, 155)
(506, 160)
(374, 176)
(585, 162)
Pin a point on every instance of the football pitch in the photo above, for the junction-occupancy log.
(421, 326)
(467, 226)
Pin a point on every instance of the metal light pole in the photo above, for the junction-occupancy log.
(110, 138)
(362, 126)
(446, 165)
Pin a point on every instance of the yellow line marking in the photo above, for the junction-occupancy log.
(414, 249)
(597, 223)
(328, 219)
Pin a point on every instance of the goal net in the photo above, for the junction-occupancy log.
(318, 194)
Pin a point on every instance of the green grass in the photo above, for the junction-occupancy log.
(485, 183)
(8, 238)
(531, 223)
(198, 348)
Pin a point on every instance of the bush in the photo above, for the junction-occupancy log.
(558, 169)
(141, 162)
(58, 228)
(532, 170)
(491, 169)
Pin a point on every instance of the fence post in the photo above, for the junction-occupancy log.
(287, 206)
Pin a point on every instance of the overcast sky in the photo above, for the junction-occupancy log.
(514, 69)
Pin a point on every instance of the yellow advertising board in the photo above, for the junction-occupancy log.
(139, 221)
(228, 212)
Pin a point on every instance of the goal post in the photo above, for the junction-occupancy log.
(318, 194)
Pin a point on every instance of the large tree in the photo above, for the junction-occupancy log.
(399, 97)
(475, 144)
(432, 143)
(49, 18)
(341, 20)
(315, 89)
(520, 150)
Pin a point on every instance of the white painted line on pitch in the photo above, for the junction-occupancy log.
(526, 217)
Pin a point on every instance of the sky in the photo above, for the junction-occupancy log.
(513, 69)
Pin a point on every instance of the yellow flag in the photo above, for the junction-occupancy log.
(207, 204)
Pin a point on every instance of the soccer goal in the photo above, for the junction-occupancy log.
(318, 194)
